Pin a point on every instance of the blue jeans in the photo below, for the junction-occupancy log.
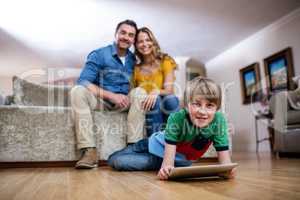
(136, 157)
(158, 115)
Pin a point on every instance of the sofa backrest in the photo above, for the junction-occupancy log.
(32, 94)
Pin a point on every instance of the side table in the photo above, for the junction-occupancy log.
(269, 117)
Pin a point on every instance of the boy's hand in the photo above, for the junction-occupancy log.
(224, 158)
(164, 172)
(229, 175)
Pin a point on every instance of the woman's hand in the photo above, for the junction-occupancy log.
(164, 172)
(150, 100)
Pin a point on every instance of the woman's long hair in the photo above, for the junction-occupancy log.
(157, 54)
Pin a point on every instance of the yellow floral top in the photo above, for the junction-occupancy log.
(156, 79)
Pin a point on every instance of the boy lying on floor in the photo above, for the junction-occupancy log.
(188, 134)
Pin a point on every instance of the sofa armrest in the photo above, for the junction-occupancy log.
(36, 133)
(279, 109)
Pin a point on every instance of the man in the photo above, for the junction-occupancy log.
(103, 84)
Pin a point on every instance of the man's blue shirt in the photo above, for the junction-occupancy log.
(104, 68)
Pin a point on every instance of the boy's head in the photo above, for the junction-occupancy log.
(202, 98)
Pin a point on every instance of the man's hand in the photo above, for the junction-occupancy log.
(164, 172)
(122, 101)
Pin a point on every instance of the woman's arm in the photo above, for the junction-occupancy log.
(168, 86)
(168, 161)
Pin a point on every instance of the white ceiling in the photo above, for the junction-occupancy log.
(66, 30)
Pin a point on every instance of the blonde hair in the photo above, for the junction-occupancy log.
(156, 53)
(204, 87)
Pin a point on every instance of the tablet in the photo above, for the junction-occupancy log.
(201, 170)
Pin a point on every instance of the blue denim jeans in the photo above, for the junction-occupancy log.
(136, 157)
(157, 117)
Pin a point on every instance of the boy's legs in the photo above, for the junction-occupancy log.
(136, 116)
(137, 162)
(182, 163)
(135, 157)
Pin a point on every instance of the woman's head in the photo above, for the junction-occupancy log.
(147, 45)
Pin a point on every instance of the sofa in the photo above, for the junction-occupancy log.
(285, 107)
(38, 126)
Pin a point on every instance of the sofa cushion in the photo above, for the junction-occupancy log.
(293, 117)
(33, 94)
(294, 99)
(40, 133)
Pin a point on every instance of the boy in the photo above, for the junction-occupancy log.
(188, 134)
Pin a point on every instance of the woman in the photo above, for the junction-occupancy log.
(153, 98)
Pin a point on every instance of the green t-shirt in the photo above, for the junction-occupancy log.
(193, 141)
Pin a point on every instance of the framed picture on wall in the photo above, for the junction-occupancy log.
(279, 71)
(250, 83)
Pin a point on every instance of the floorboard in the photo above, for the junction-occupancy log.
(258, 177)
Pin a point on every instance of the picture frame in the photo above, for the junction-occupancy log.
(279, 71)
(250, 83)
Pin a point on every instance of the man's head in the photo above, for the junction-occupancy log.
(202, 98)
(125, 34)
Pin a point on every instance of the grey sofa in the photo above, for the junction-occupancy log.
(285, 107)
(39, 127)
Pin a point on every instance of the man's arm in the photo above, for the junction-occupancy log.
(90, 75)
(120, 100)
(168, 161)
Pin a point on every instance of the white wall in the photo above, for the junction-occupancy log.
(18, 58)
(225, 69)
(5, 85)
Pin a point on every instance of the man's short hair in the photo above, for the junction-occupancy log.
(128, 22)
(205, 87)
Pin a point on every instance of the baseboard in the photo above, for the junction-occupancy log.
(289, 154)
(43, 164)
(47, 164)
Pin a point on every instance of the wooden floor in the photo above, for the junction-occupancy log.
(257, 178)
